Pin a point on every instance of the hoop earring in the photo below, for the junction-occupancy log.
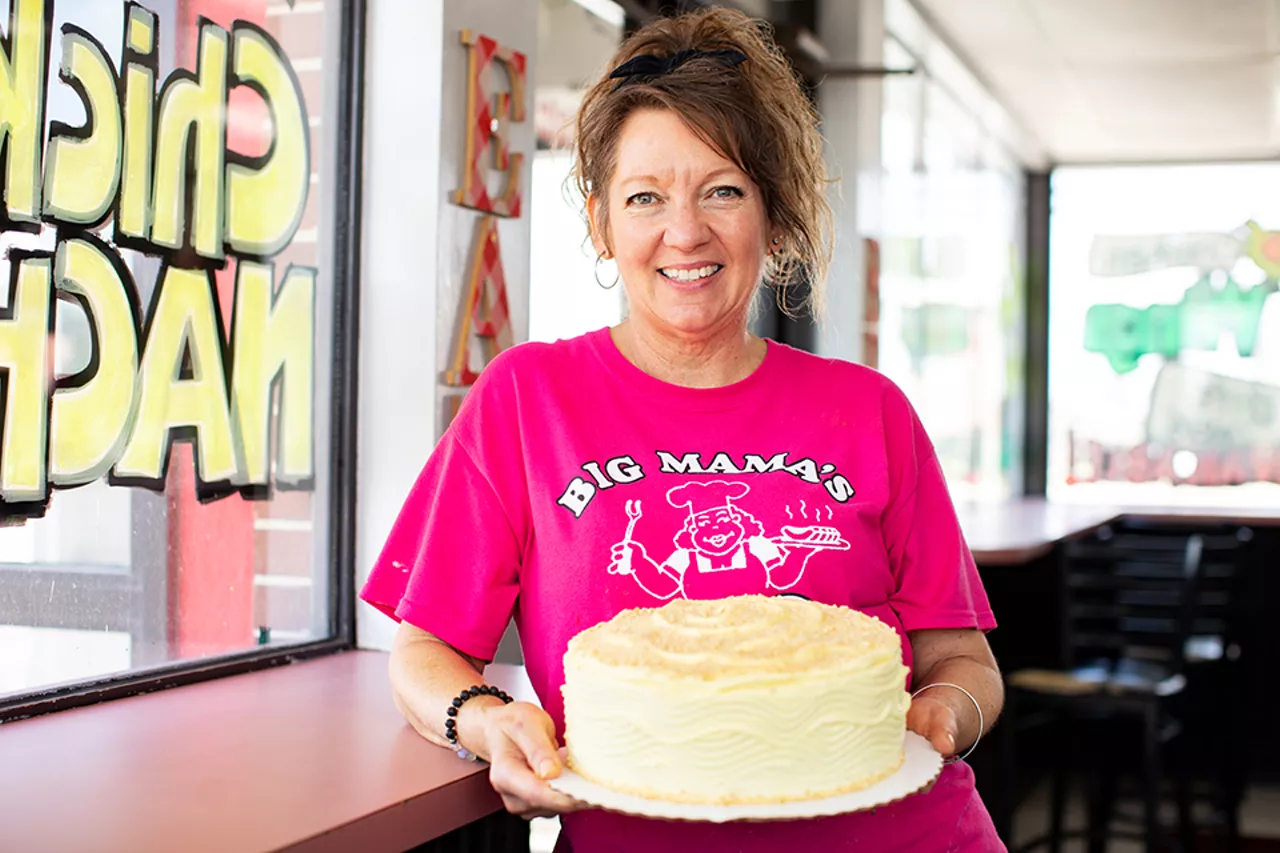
(602, 285)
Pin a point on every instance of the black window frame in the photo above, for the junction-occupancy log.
(124, 595)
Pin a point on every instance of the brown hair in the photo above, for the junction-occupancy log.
(754, 114)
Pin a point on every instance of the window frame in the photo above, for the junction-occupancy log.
(129, 597)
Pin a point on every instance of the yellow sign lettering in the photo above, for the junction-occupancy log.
(183, 328)
(22, 94)
(82, 168)
(151, 164)
(91, 417)
(273, 342)
(133, 218)
(25, 352)
(193, 108)
(266, 198)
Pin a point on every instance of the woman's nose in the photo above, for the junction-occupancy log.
(687, 228)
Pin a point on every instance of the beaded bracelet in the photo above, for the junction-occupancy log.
(981, 723)
(451, 722)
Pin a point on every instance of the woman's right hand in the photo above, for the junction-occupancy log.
(521, 746)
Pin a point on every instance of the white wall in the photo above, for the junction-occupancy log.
(565, 298)
(416, 243)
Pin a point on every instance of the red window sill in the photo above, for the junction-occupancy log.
(308, 758)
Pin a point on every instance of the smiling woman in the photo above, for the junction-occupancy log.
(601, 474)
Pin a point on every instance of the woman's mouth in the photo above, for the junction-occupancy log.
(690, 276)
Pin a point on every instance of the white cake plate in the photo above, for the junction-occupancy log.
(921, 766)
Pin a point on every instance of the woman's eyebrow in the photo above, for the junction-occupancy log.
(640, 179)
(731, 171)
(723, 171)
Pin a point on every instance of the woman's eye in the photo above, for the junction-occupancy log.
(726, 192)
(642, 199)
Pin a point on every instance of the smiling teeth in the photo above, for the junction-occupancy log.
(691, 275)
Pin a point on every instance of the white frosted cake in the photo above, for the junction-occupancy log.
(747, 699)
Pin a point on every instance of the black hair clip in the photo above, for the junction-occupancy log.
(645, 67)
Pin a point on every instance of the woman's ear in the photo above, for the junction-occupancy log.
(775, 240)
(594, 219)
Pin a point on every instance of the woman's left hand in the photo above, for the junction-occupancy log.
(936, 722)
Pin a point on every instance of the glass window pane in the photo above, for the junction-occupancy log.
(950, 283)
(1164, 334)
(168, 501)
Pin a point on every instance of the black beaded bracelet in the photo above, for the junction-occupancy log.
(451, 721)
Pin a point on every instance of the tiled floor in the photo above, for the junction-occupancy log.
(1260, 818)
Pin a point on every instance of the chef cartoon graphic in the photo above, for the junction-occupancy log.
(721, 549)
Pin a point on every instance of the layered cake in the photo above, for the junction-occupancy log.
(748, 699)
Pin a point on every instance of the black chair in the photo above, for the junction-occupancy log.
(1150, 660)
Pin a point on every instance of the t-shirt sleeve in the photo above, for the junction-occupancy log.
(451, 563)
(937, 581)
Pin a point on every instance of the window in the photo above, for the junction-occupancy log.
(950, 280)
(177, 236)
(1164, 335)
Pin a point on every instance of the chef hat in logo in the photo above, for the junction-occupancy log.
(702, 497)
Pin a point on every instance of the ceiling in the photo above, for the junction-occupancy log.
(1104, 81)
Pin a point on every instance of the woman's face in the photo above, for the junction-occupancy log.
(687, 227)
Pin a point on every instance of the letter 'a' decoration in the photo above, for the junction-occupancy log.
(485, 312)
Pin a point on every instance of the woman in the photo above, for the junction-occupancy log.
(676, 454)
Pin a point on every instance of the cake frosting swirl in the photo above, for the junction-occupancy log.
(748, 699)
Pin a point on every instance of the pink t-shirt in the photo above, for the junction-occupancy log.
(573, 485)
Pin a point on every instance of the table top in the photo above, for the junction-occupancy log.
(310, 757)
(1016, 531)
